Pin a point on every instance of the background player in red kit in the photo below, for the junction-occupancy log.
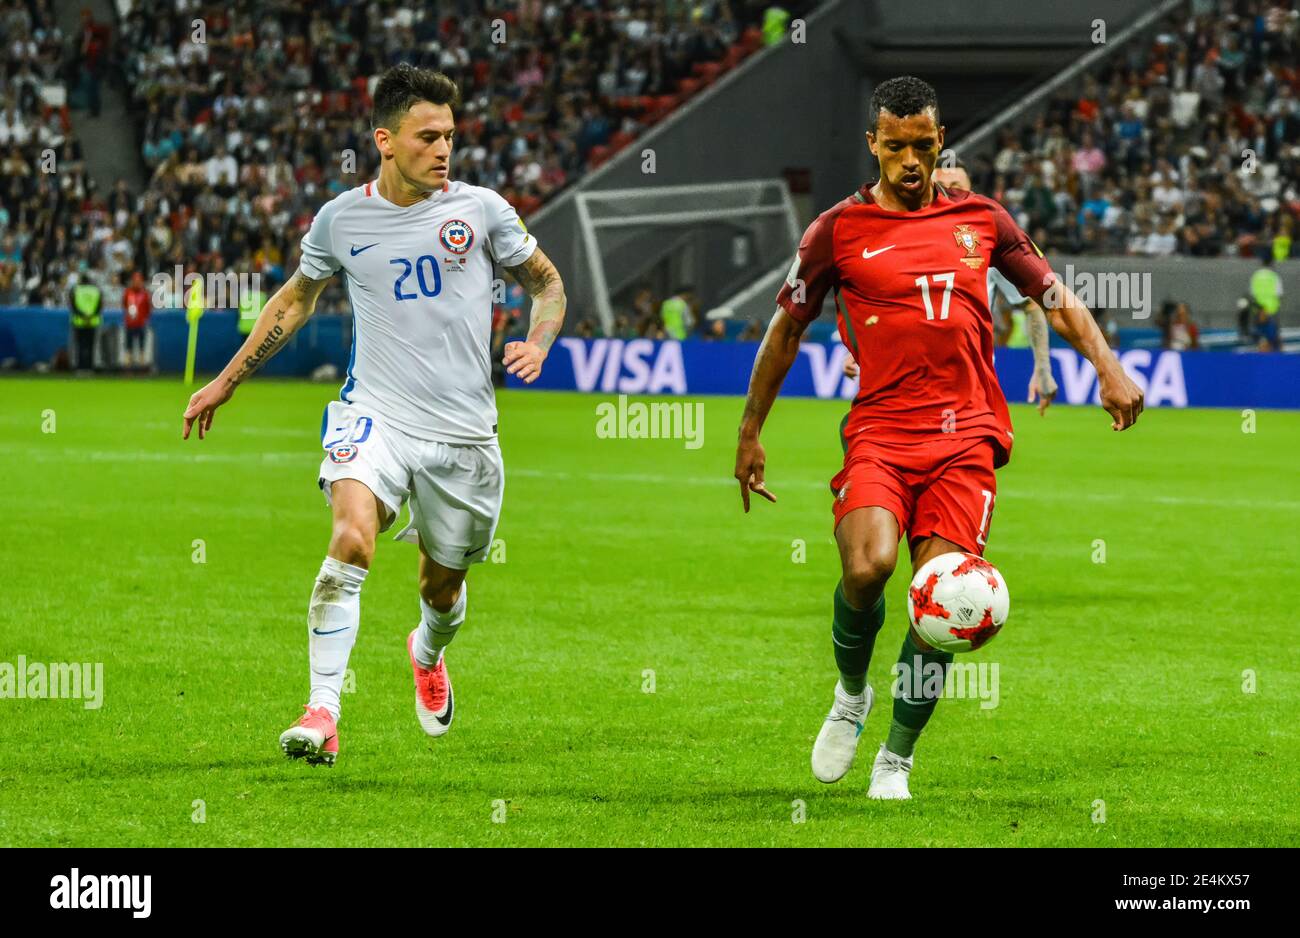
(907, 263)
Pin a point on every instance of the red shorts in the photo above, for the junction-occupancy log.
(943, 488)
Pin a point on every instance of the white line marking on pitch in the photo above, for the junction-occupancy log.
(308, 458)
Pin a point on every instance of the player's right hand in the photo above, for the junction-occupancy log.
(851, 369)
(204, 404)
(1120, 397)
(750, 463)
(1044, 398)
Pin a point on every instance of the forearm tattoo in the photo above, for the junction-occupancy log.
(297, 294)
(264, 350)
(541, 281)
(1038, 337)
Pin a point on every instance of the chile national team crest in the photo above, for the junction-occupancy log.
(968, 238)
(344, 452)
(457, 236)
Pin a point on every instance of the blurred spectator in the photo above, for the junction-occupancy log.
(136, 310)
(85, 301)
(1282, 244)
(775, 20)
(680, 313)
(1266, 291)
(11, 279)
(1183, 333)
(623, 328)
(1038, 202)
(753, 331)
(1163, 242)
(645, 311)
(91, 54)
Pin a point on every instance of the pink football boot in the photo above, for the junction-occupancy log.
(433, 697)
(314, 737)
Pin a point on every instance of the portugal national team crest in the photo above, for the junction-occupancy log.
(344, 452)
(457, 236)
(969, 239)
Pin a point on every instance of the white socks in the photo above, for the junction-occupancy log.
(437, 629)
(332, 622)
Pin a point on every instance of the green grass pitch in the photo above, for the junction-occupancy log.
(1155, 690)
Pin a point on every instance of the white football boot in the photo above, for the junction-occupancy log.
(837, 743)
(889, 776)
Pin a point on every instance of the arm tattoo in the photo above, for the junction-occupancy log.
(265, 348)
(534, 273)
(297, 294)
(541, 281)
(1037, 323)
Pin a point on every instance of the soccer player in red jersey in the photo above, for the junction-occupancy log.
(907, 262)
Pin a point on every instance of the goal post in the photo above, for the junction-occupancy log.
(716, 237)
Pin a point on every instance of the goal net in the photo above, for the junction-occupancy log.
(716, 238)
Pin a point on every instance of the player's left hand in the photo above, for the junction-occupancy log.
(524, 360)
(1044, 399)
(1120, 397)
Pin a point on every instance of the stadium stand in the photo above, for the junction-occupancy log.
(1190, 145)
(241, 135)
(244, 125)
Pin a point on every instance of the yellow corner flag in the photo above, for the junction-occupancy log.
(193, 312)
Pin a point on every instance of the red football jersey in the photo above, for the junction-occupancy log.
(911, 291)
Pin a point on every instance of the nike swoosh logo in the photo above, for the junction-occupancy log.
(331, 631)
(451, 702)
(474, 550)
(356, 250)
(866, 253)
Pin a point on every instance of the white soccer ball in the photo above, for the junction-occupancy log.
(958, 602)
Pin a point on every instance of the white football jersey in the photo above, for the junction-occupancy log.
(420, 281)
(998, 283)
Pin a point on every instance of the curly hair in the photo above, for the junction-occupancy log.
(902, 97)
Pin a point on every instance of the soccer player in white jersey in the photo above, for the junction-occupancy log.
(416, 418)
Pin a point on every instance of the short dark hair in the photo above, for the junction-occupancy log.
(403, 86)
(902, 97)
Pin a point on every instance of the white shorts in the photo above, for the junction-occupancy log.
(454, 489)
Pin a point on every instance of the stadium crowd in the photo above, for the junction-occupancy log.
(1189, 145)
(251, 120)
(45, 229)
